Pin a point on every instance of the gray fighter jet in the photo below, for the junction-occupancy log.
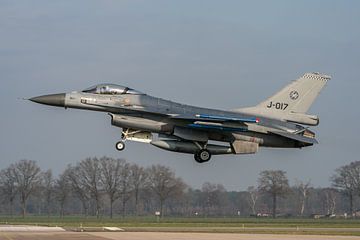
(280, 121)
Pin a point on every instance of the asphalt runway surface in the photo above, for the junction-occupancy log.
(158, 236)
(18, 232)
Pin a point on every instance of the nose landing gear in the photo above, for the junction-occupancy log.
(120, 146)
(133, 135)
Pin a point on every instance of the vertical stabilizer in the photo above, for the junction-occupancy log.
(298, 96)
(293, 101)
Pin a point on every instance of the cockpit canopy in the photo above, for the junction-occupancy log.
(111, 89)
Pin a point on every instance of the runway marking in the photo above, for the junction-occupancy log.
(48, 236)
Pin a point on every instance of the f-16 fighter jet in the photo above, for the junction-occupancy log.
(280, 121)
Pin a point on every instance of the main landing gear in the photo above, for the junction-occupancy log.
(202, 156)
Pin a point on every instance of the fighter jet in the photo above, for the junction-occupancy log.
(281, 121)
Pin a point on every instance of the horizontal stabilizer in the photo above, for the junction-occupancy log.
(296, 137)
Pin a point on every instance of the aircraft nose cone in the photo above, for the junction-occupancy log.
(52, 99)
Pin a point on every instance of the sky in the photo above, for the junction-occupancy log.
(215, 54)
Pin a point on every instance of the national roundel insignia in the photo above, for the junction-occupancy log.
(294, 95)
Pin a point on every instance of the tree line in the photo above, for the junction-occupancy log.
(106, 187)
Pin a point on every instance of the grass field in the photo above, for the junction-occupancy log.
(75, 221)
(171, 224)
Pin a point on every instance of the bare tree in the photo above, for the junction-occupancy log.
(212, 197)
(164, 184)
(48, 188)
(330, 198)
(253, 197)
(8, 187)
(110, 178)
(27, 176)
(347, 179)
(138, 181)
(88, 172)
(125, 188)
(303, 190)
(62, 190)
(275, 183)
(78, 187)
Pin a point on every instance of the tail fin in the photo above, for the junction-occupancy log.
(298, 96)
(295, 98)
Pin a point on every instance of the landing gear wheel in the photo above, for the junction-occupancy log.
(202, 156)
(196, 157)
(120, 146)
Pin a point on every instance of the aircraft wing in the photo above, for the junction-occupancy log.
(226, 119)
(216, 118)
(296, 137)
(216, 122)
(197, 121)
(190, 118)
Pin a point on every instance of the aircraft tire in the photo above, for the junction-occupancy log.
(120, 146)
(202, 156)
(196, 157)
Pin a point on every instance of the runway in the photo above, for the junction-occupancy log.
(159, 236)
(25, 232)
